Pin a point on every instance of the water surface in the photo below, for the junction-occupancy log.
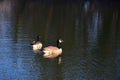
(90, 31)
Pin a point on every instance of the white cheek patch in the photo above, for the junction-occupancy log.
(60, 41)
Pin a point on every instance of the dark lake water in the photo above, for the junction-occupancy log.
(91, 34)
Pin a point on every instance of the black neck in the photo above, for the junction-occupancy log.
(38, 38)
(58, 44)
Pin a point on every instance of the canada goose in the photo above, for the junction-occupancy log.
(53, 51)
(36, 45)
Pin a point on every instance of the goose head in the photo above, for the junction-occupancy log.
(59, 41)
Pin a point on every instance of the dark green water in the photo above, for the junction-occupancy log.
(90, 30)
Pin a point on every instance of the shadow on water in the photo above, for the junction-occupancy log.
(90, 30)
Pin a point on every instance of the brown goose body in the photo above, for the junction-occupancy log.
(37, 45)
(52, 51)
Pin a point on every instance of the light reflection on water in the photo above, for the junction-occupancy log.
(88, 48)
